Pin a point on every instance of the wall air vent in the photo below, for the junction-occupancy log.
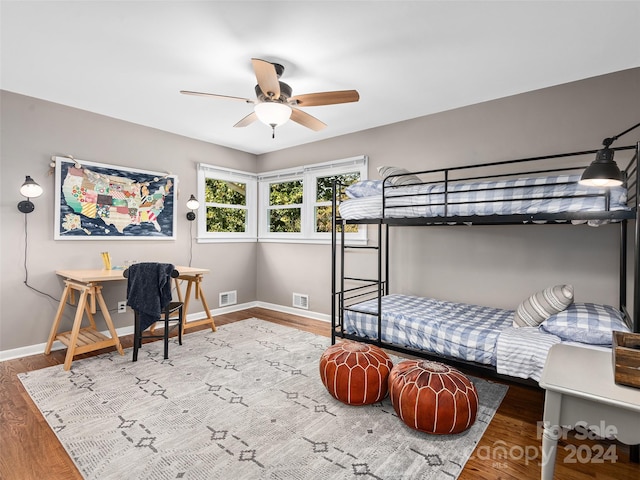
(301, 301)
(228, 298)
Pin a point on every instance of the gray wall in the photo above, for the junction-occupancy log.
(496, 266)
(32, 131)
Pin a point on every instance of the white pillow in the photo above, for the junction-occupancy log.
(364, 188)
(541, 305)
(385, 171)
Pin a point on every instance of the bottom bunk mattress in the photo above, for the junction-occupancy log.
(462, 331)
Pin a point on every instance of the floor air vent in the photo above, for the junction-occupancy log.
(301, 301)
(228, 298)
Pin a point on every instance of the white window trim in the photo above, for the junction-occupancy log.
(264, 181)
(220, 173)
(258, 201)
(308, 174)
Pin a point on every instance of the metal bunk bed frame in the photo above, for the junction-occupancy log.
(367, 288)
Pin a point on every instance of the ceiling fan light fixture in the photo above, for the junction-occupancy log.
(273, 114)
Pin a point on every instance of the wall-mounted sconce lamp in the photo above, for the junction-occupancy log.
(192, 204)
(603, 171)
(29, 189)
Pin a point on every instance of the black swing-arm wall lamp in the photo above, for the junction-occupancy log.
(29, 189)
(192, 204)
(603, 171)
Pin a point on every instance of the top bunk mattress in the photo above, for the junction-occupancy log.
(534, 195)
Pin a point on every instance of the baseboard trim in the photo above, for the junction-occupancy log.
(294, 311)
(122, 331)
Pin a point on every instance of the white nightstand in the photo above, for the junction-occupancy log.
(580, 391)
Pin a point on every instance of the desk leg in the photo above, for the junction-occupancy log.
(199, 295)
(107, 319)
(77, 321)
(551, 433)
(185, 308)
(56, 321)
(203, 300)
(178, 290)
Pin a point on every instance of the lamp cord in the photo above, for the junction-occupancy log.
(190, 242)
(26, 271)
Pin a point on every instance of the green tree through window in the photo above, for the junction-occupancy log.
(226, 206)
(285, 206)
(324, 193)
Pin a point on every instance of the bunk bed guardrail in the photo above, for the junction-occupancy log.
(454, 187)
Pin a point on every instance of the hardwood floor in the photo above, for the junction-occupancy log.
(510, 448)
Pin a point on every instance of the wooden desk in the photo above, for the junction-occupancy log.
(88, 283)
(580, 390)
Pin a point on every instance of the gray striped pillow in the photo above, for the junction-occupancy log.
(406, 179)
(541, 305)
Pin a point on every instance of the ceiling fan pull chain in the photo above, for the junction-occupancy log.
(273, 130)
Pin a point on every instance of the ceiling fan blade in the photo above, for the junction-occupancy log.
(325, 98)
(267, 78)
(200, 94)
(306, 120)
(248, 120)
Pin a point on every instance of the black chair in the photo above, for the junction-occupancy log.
(149, 295)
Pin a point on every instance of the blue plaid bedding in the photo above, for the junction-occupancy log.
(524, 196)
(463, 331)
(551, 194)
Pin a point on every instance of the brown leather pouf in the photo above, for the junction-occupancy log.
(432, 397)
(355, 373)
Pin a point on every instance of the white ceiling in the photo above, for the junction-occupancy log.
(128, 60)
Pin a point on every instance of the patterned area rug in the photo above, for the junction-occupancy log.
(245, 402)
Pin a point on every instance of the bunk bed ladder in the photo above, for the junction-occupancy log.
(636, 257)
(634, 452)
(340, 293)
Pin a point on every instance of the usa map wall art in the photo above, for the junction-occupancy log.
(100, 201)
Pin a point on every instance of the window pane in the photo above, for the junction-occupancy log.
(324, 185)
(226, 219)
(323, 222)
(229, 193)
(285, 193)
(285, 220)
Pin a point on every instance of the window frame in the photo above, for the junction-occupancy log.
(264, 192)
(225, 174)
(309, 175)
(257, 205)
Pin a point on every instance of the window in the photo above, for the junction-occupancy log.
(284, 212)
(229, 204)
(297, 202)
(323, 196)
(292, 205)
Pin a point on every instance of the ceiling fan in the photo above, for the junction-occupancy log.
(274, 104)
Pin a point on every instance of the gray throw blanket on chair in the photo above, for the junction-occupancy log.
(149, 290)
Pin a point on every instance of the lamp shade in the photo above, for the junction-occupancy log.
(603, 171)
(192, 203)
(30, 189)
(273, 113)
